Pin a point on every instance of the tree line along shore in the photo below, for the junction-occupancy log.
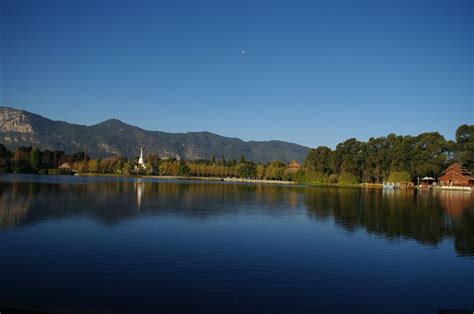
(392, 158)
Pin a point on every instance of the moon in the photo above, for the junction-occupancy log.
(243, 51)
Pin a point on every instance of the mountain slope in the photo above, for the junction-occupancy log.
(111, 137)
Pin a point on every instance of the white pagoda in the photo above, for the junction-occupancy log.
(141, 163)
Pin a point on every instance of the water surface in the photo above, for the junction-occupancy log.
(135, 245)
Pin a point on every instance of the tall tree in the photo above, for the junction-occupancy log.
(35, 159)
(465, 145)
(5, 156)
(319, 160)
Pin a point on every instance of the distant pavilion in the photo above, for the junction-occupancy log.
(293, 166)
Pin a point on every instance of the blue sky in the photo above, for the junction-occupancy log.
(314, 73)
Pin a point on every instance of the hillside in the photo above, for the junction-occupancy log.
(112, 137)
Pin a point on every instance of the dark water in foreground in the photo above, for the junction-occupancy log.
(97, 244)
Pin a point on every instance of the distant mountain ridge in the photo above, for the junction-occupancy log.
(114, 137)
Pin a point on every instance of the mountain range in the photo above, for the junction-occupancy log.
(114, 137)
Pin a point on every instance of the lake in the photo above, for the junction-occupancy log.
(98, 244)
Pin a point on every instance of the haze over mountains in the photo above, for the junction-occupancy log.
(114, 137)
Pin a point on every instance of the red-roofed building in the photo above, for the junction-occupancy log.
(456, 175)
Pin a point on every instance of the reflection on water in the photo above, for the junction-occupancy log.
(426, 216)
(111, 201)
(140, 188)
(112, 245)
(14, 204)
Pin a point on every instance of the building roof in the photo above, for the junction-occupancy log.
(427, 179)
(65, 165)
(458, 170)
(293, 164)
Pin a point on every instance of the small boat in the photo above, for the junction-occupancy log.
(391, 185)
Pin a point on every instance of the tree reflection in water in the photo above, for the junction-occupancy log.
(112, 201)
(426, 216)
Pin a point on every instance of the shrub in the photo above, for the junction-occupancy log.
(316, 177)
(333, 178)
(399, 176)
(347, 178)
(184, 170)
(298, 176)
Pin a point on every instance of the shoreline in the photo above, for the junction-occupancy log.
(219, 179)
(183, 178)
(239, 180)
(366, 186)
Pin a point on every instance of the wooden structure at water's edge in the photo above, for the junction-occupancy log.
(456, 176)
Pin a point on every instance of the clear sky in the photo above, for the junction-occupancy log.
(314, 73)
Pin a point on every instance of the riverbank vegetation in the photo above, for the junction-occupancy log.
(33, 160)
(390, 158)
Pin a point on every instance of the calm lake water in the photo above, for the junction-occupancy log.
(136, 245)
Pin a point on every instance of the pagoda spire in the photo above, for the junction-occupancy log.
(140, 160)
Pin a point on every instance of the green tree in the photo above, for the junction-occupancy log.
(5, 156)
(319, 160)
(347, 178)
(21, 161)
(260, 171)
(47, 159)
(399, 176)
(465, 145)
(275, 170)
(184, 170)
(35, 159)
(428, 155)
(247, 170)
(349, 157)
(316, 177)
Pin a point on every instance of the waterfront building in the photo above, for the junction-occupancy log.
(456, 175)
